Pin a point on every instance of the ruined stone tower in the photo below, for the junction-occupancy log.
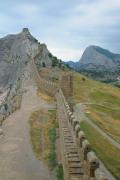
(66, 84)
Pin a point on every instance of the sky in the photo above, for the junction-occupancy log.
(67, 27)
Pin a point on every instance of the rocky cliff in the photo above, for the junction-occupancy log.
(16, 53)
(99, 64)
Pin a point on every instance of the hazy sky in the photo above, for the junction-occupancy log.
(66, 26)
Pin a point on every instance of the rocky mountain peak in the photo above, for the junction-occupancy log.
(26, 32)
(97, 56)
(100, 64)
(16, 52)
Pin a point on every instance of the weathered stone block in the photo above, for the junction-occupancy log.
(92, 163)
(77, 129)
(85, 148)
(74, 122)
(71, 118)
(81, 137)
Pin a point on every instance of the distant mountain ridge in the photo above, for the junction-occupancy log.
(100, 64)
(73, 65)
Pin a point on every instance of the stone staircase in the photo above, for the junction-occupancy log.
(72, 164)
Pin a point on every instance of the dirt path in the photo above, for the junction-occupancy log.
(80, 114)
(17, 160)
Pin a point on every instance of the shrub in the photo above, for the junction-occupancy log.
(59, 172)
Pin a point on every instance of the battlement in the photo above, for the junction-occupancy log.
(25, 30)
(78, 159)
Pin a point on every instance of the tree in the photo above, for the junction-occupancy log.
(54, 61)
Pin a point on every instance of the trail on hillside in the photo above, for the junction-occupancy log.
(17, 159)
(80, 114)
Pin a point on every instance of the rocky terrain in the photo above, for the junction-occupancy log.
(100, 64)
(16, 53)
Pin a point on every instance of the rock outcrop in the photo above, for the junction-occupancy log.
(100, 64)
(16, 53)
(95, 56)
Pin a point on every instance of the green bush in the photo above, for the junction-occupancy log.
(54, 62)
(59, 172)
(52, 158)
(52, 154)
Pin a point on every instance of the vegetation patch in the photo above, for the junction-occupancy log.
(42, 130)
(60, 172)
(109, 154)
(52, 136)
(43, 137)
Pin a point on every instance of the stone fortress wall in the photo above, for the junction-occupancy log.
(79, 161)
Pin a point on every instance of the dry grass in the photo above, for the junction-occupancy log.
(45, 96)
(89, 90)
(103, 103)
(41, 122)
(107, 119)
(44, 72)
(108, 153)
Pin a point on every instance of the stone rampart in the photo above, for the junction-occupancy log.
(79, 161)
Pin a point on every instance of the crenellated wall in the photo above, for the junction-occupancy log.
(79, 161)
(48, 86)
(66, 85)
(89, 160)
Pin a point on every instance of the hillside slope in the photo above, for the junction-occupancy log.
(98, 109)
(100, 64)
(102, 101)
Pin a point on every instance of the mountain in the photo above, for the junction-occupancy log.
(73, 65)
(100, 64)
(16, 53)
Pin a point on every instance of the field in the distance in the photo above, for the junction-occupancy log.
(102, 102)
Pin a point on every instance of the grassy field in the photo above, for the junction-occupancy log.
(109, 154)
(102, 102)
